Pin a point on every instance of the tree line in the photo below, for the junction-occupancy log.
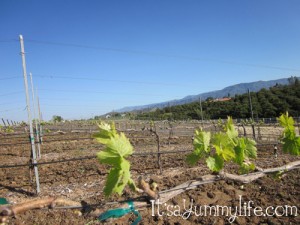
(266, 103)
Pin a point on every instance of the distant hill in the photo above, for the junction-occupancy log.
(266, 103)
(230, 90)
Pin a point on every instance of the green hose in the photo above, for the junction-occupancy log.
(119, 212)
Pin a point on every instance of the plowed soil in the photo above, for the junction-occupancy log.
(83, 180)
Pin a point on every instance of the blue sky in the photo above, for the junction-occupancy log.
(91, 57)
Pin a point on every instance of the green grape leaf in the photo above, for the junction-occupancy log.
(112, 181)
(193, 158)
(244, 149)
(106, 131)
(201, 147)
(202, 141)
(223, 146)
(246, 168)
(228, 147)
(117, 149)
(230, 129)
(131, 184)
(288, 124)
(291, 146)
(118, 178)
(251, 150)
(124, 177)
(109, 158)
(119, 145)
(240, 152)
(286, 121)
(291, 143)
(215, 163)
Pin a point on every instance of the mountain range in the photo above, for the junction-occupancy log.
(225, 92)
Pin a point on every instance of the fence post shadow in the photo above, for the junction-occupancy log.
(19, 190)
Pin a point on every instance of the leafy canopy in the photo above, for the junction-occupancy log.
(221, 147)
(117, 148)
(289, 139)
(56, 118)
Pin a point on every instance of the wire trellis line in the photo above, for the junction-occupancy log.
(136, 154)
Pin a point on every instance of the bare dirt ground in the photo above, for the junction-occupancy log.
(83, 180)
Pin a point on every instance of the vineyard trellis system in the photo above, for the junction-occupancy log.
(165, 194)
(156, 135)
(136, 154)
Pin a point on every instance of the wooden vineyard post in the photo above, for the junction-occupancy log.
(200, 102)
(258, 133)
(153, 130)
(171, 133)
(34, 160)
(245, 134)
(252, 116)
(158, 154)
(253, 131)
(3, 122)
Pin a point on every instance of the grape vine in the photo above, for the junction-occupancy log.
(289, 139)
(216, 149)
(117, 149)
(221, 147)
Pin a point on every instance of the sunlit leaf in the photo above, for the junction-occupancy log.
(109, 158)
(291, 146)
(112, 181)
(120, 145)
(240, 152)
(106, 131)
(201, 147)
(124, 177)
(230, 129)
(215, 163)
(223, 145)
(117, 149)
(290, 141)
(286, 121)
(202, 141)
(251, 150)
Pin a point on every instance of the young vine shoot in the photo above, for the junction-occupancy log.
(217, 149)
(290, 141)
(117, 148)
(222, 147)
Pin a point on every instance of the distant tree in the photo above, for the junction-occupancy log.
(209, 99)
(116, 114)
(292, 79)
(23, 124)
(297, 82)
(56, 118)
